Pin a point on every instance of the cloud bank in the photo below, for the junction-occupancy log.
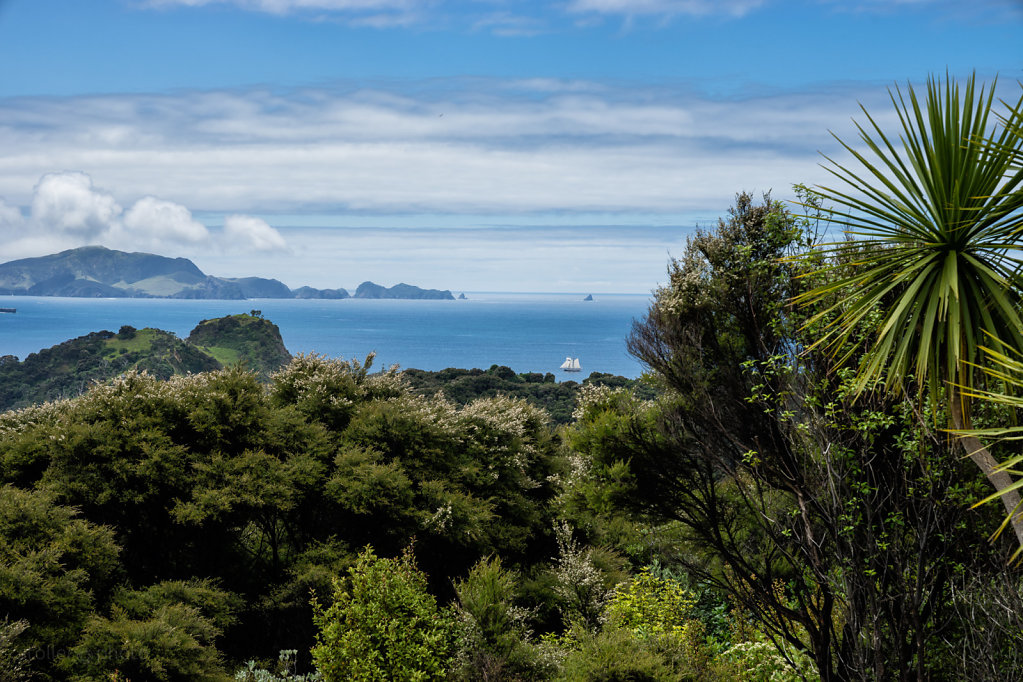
(527, 19)
(464, 147)
(215, 175)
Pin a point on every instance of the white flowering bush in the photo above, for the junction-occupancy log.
(761, 661)
(583, 587)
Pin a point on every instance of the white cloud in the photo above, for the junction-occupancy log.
(22, 237)
(696, 8)
(155, 222)
(68, 211)
(510, 25)
(252, 234)
(379, 14)
(285, 6)
(518, 152)
(67, 202)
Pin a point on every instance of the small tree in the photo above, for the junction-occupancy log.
(834, 516)
(383, 625)
(934, 233)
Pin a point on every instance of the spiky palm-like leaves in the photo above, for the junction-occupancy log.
(941, 221)
(934, 241)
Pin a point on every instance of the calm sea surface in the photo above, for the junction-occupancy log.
(527, 332)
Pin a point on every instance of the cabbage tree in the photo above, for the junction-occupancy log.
(933, 217)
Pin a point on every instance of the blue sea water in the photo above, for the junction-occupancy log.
(527, 332)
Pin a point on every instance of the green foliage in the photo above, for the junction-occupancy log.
(558, 399)
(53, 566)
(935, 227)
(283, 671)
(264, 490)
(493, 637)
(172, 643)
(163, 632)
(760, 661)
(584, 580)
(596, 491)
(328, 391)
(614, 655)
(651, 606)
(383, 624)
(215, 605)
(832, 516)
(931, 261)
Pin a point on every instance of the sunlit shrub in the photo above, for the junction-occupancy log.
(383, 625)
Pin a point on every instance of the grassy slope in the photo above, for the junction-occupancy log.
(242, 339)
(70, 368)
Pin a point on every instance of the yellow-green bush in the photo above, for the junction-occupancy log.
(383, 625)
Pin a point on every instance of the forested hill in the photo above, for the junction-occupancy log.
(248, 340)
(96, 271)
(68, 369)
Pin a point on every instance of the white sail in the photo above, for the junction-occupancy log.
(567, 364)
(571, 365)
(575, 364)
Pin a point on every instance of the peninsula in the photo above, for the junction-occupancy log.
(99, 272)
(70, 368)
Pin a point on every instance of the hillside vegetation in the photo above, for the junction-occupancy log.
(558, 400)
(249, 340)
(70, 368)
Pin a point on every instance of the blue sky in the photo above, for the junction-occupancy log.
(478, 145)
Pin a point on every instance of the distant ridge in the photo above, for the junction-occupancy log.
(99, 272)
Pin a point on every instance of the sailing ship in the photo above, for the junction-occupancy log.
(571, 365)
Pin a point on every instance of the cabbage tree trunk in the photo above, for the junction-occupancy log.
(983, 458)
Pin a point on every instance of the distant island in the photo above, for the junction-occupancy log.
(99, 272)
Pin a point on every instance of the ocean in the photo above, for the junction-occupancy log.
(527, 332)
